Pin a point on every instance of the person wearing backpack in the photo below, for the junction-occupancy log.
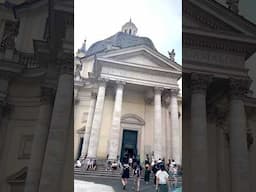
(137, 175)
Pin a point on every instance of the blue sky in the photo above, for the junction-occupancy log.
(160, 20)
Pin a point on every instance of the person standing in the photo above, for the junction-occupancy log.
(152, 159)
(162, 180)
(155, 169)
(118, 161)
(173, 163)
(130, 161)
(147, 161)
(125, 175)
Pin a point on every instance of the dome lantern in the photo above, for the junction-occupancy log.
(129, 28)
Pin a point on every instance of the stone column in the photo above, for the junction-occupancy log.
(116, 128)
(88, 127)
(157, 124)
(39, 141)
(4, 83)
(223, 150)
(175, 132)
(238, 142)
(168, 134)
(58, 133)
(96, 124)
(198, 150)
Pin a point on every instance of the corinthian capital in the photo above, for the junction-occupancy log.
(10, 32)
(120, 84)
(199, 82)
(174, 92)
(158, 89)
(239, 87)
(67, 64)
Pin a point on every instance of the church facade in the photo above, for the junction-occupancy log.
(126, 99)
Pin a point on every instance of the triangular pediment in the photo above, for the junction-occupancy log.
(142, 56)
(211, 15)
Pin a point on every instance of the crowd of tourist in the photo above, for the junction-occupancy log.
(86, 164)
(164, 173)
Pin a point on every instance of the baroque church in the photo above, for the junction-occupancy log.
(127, 99)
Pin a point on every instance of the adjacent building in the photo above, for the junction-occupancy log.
(219, 152)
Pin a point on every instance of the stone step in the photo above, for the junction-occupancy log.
(101, 172)
(84, 177)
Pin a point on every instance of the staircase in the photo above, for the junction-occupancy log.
(101, 172)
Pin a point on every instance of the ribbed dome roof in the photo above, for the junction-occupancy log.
(119, 40)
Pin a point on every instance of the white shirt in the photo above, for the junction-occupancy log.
(78, 163)
(162, 176)
(173, 163)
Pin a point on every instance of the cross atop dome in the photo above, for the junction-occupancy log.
(129, 28)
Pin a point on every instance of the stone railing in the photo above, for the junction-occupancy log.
(28, 60)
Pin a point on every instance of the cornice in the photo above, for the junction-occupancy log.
(153, 53)
(122, 64)
(241, 38)
(225, 15)
(205, 19)
(30, 5)
(217, 70)
(151, 83)
(65, 6)
(197, 40)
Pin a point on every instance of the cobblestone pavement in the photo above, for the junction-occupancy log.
(97, 184)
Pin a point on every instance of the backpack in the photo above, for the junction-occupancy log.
(137, 171)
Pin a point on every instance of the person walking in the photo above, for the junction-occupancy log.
(174, 174)
(125, 175)
(137, 176)
(162, 180)
(147, 174)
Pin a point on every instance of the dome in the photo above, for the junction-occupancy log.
(119, 41)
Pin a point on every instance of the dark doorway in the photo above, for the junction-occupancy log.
(80, 147)
(129, 143)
